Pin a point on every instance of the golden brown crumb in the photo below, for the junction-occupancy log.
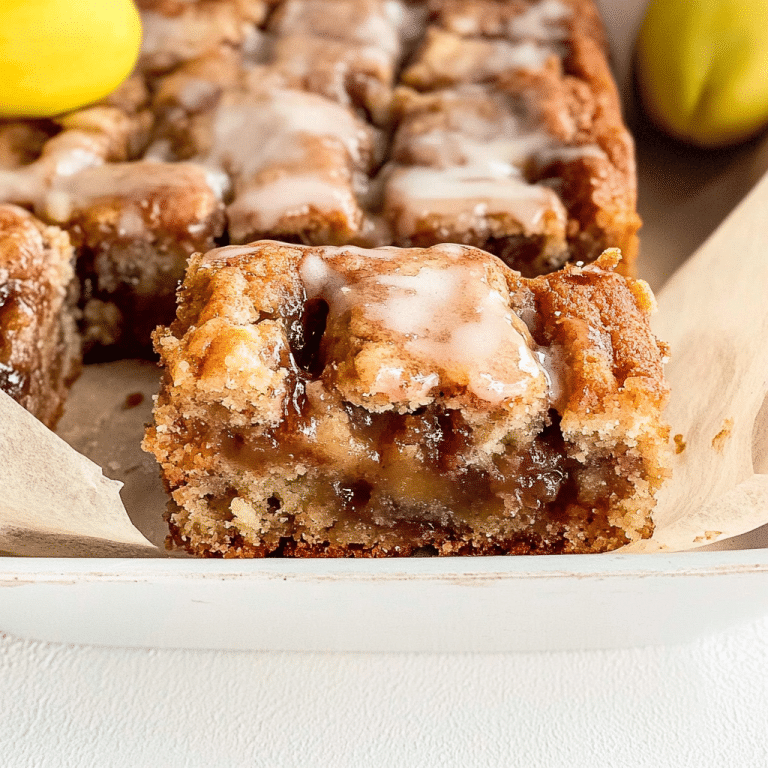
(39, 346)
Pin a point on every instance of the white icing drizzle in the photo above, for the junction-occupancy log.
(447, 316)
(502, 151)
(132, 183)
(65, 155)
(381, 29)
(409, 19)
(218, 255)
(468, 194)
(195, 93)
(157, 31)
(255, 47)
(529, 54)
(218, 181)
(74, 161)
(300, 112)
(297, 55)
(568, 154)
(160, 150)
(20, 186)
(167, 40)
(320, 279)
(272, 132)
(249, 134)
(541, 21)
(497, 159)
(481, 128)
(385, 253)
(287, 196)
(482, 150)
(381, 24)
(553, 363)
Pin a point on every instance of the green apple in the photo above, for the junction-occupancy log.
(702, 68)
(57, 55)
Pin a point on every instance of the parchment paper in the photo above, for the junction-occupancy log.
(55, 502)
(714, 314)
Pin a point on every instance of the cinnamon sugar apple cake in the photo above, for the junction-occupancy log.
(364, 379)
(339, 401)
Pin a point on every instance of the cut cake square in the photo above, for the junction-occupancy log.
(39, 345)
(337, 401)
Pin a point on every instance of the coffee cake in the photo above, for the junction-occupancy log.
(492, 123)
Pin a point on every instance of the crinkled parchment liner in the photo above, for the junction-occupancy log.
(713, 312)
(55, 502)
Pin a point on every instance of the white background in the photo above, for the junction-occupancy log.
(699, 705)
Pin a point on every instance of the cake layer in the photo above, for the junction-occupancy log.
(460, 159)
(39, 346)
(175, 31)
(343, 401)
(518, 109)
(346, 50)
(133, 222)
(296, 165)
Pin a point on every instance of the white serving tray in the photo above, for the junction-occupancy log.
(423, 604)
(490, 604)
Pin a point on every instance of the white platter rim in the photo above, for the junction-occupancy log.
(18, 570)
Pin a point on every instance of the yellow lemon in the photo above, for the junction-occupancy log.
(702, 68)
(57, 55)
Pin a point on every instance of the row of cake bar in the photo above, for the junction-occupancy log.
(366, 122)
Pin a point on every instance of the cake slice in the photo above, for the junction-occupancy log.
(295, 165)
(461, 161)
(39, 345)
(175, 32)
(337, 401)
(510, 137)
(347, 50)
(541, 20)
(134, 225)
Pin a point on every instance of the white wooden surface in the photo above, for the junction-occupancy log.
(703, 705)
